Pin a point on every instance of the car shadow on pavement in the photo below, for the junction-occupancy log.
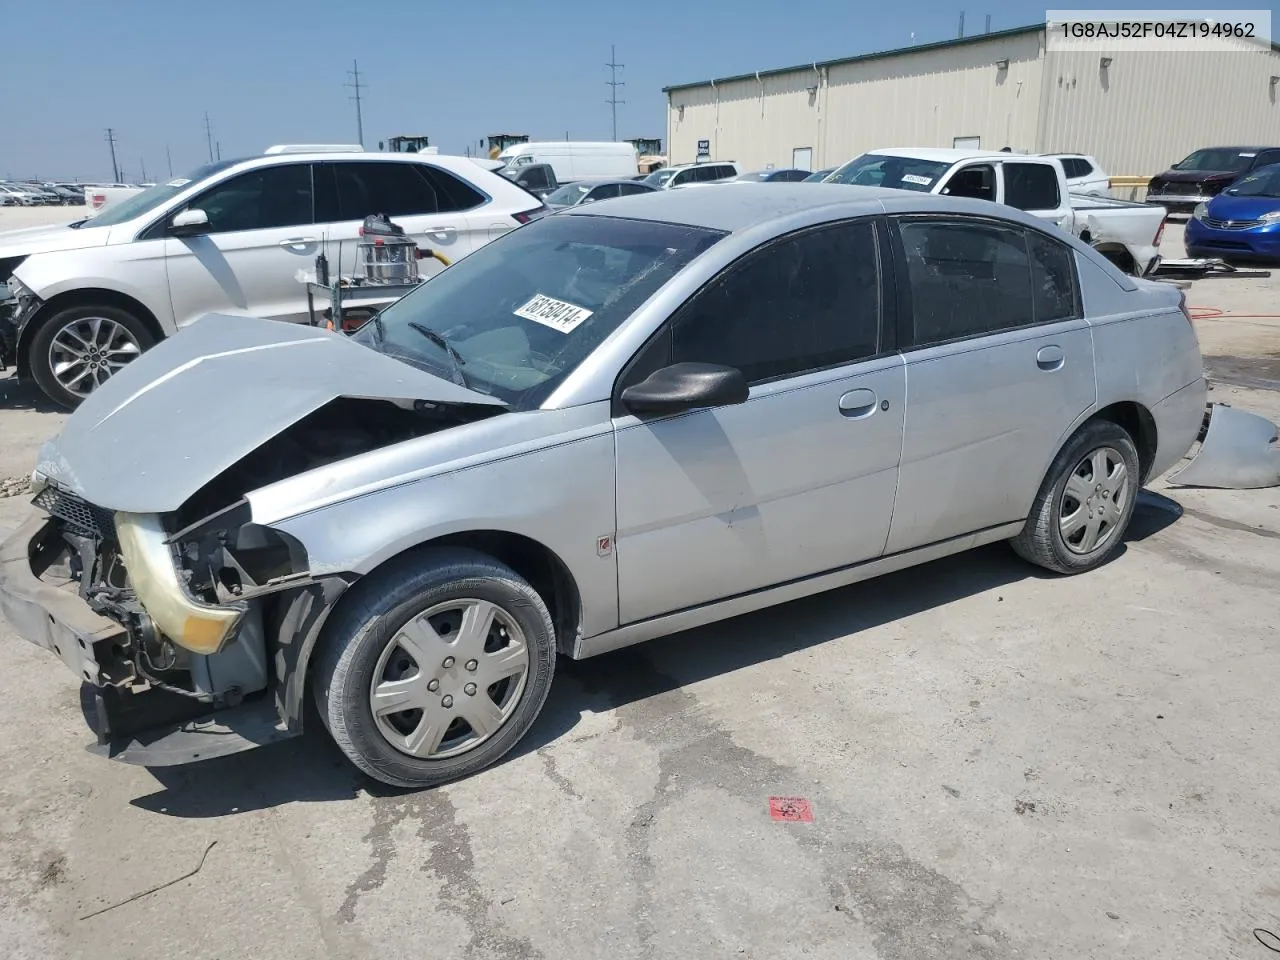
(24, 396)
(312, 769)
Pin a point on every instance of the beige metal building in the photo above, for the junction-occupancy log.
(1137, 112)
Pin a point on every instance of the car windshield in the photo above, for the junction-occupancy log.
(881, 170)
(146, 201)
(1264, 182)
(568, 195)
(659, 178)
(522, 312)
(819, 175)
(1217, 158)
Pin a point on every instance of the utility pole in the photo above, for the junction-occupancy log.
(614, 83)
(115, 167)
(169, 159)
(357, 86)
(961, 24)
(208, 135)
(218, 147)
(142, 162)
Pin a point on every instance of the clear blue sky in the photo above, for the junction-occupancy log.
(272, 71)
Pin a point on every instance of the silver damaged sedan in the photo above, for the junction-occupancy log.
(624, 420)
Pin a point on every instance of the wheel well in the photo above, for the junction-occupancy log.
(78, 298)
(1118, 255)
(1135, 420)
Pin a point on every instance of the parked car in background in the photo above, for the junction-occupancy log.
(1243, 221)
(620, 422)
(572, 194)
(1126, 233)
(1204, 174)
(770, 176)
(23, 194)
(575, 160)
(44, 197)
(70, 196)
(229, 237)
(538, 178)
(710, 171)
(1085, 176)
(819, 175)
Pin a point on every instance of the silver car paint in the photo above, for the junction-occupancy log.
(1239, 451)
(194, 404)
(550, 475)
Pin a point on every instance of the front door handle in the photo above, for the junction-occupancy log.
(443, 234)
(858, 404)
(1050, 358)
(297, 242)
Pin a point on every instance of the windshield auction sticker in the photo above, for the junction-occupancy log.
(916, 178)
(553, 313)
(1111, 31)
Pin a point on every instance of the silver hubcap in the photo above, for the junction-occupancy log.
(449, 679)
(84, 353)
(1094, 501)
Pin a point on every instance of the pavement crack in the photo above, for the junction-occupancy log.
(554, 774)
(387, 814)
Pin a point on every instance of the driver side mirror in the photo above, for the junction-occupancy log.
(686, 386)
(1175, 166)
(189, 223)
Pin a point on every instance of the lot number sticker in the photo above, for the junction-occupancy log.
(553, 313)
(915, 178)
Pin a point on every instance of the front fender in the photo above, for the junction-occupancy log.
(122, 269)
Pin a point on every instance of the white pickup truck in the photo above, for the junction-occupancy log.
(1126, 233)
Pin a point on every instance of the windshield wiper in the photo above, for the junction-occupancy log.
(460, 378)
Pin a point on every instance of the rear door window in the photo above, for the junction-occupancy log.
(966, 278)
(353, 190)
(1031, 186)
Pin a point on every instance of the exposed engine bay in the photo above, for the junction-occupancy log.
(222, 559)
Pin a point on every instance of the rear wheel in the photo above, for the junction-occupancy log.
(434, 669)
(1084, 505)
(78, 349)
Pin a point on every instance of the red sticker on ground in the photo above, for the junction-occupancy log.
(796, 809)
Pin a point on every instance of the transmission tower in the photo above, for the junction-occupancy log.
(614, 83)
(115, 167)
(357, 86)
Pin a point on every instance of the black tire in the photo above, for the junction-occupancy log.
(367, 624)
(1042, 541)
(38, 352)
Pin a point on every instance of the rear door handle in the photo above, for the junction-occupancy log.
(1050, 358)
(298, 242)
(858, 404)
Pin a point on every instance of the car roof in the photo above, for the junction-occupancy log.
(732, 210)
(704, 163)
(945, 154)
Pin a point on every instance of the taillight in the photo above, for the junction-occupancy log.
(1160, 232)
(524, 216)
(1182, 305)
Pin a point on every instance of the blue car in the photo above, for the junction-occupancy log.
(1243, 221)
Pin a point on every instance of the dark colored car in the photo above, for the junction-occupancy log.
(819, 175)
(1241, 222)
(589, 191)
(1203, 175)
(538, 178)
(773, 176)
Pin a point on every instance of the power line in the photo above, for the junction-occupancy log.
(356, 85)
(115, 167)
(208, 135)
(614, 83)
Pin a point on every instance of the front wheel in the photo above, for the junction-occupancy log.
(1083, 507)
(78, 349)
(434, 669)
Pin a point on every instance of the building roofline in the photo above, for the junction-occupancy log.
(879, 54)
(917, 48)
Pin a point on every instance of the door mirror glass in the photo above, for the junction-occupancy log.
(189, 223)
(686, 386)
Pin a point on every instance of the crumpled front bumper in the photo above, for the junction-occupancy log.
(1238, 451)
(47, 615)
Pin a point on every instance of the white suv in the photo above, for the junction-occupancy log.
(1085, 177)
(229, 238)
(709, 171)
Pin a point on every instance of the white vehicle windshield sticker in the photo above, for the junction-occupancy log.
(1248, 154)
(177, 183)
(914, 178)
(553, 313)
